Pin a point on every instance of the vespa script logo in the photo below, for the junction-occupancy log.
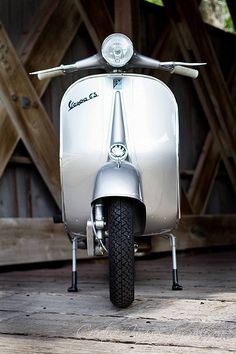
(73, 104)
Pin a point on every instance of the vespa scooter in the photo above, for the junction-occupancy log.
(119, 159)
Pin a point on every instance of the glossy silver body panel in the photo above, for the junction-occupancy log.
(150, 130)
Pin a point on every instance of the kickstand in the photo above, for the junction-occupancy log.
(73, 287)
(175, 285)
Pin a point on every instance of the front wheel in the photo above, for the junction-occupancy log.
(121, 251)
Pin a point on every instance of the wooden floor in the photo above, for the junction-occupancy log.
(37, 315)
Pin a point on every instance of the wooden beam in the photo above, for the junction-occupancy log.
(207, 166)
(53, 42)
(38, 23)
(185, 206)
(29, 117)
(127, 20)
(9, 137)
(206, 169)
(97, 20)
(166, 49)
(204, 176)
(21, 160)
(61, 22)
(26, 240)
(201, 231)
(211, 87)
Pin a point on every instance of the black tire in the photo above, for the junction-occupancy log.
(121, 251)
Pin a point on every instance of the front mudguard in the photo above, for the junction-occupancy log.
(121, 180)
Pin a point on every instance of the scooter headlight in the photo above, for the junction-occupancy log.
(117, 50)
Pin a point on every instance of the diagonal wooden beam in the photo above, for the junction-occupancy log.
(204, 176)
(165, 49)
(9, 137)
(206, 169)
(54, 40)
(97, 19)
(49, 23)
(207, 166)
(28, 116)
(39, 22)
(211, 87)
(185, 206)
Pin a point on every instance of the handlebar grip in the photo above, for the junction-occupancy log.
(48, 75)
(182, 70)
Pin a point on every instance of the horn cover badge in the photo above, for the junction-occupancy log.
(118, 152)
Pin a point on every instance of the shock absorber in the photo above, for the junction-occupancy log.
(99, 225)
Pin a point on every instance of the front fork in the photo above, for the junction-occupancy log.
(95, 227)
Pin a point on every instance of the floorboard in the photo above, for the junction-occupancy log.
(37, 315)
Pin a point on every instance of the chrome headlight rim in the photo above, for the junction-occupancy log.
(117, 50)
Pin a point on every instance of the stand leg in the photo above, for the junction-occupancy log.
(73, 287)
(175, 285)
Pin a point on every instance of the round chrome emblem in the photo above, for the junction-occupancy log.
(118, 152)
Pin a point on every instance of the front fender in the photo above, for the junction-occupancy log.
(115, 180)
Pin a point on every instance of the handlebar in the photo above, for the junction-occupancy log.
(93, 62)
(181, 70)
(138, 61)
(50, 74)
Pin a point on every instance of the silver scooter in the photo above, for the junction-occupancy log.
(119, 164)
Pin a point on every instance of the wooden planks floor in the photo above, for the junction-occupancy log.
(37, 315)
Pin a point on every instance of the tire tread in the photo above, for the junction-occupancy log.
(121, 251)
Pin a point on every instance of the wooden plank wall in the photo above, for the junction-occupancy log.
(23, 191)
(193, 125)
